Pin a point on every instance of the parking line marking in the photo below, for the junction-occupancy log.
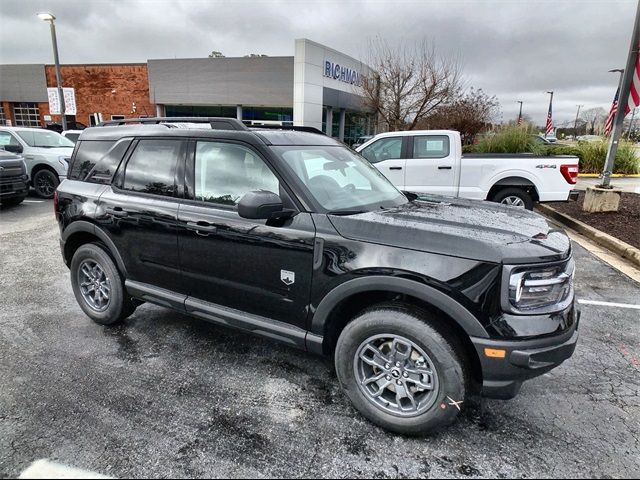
(33, 201)
(609, 304)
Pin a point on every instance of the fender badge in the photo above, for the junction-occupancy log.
(287, 277)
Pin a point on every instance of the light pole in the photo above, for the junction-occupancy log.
(633, 116)
(575, 124)
(520, 114)
(49, 17)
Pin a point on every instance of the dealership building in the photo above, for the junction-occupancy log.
(316, 87)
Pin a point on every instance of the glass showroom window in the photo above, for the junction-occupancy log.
(26, 114)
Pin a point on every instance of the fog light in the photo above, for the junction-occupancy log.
(495, 353)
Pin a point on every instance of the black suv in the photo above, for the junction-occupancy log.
(290, 235)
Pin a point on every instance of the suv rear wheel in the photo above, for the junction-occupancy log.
(399, 371)
(98, 286)
(45, 183)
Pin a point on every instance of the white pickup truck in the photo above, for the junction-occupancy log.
(431, 161)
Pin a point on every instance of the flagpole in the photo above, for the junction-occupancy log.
(520, 114)
(625, 90)
(550, 114)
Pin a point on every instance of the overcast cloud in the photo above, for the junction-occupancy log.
(515, 49)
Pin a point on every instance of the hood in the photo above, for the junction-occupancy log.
(11, 165)
(471, 229)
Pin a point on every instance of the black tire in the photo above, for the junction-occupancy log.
(11, 202)
(514, 192)
(119, 305)
(417, 326)
(45, 183)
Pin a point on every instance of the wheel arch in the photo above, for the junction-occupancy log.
(515, 181)
(41, 166)
(362, 292)
(82, 232)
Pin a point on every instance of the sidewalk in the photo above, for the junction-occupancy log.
(626, 184)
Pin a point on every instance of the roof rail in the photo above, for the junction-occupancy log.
(217, 123)
(287, 127)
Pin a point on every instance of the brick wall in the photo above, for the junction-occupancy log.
(108, 89)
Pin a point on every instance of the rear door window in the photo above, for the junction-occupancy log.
(431, 146)
(87, 156)
(152, 167)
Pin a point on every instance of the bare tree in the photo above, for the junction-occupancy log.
(469, 113)
(411, 82)
(592, 117)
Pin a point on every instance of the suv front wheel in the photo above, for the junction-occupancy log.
(98, 286)
(399, 371)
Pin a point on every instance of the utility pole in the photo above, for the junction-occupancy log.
(623, 98)
(520, 114)
(49, 17)
(575, 124)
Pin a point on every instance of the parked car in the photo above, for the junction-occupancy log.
(292, 236)
(361, 140)
(71, 125)
(589, 138)
(45, 152)
(72, 135)
(14, 185)
(431, 161)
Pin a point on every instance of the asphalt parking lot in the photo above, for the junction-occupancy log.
(166, 395)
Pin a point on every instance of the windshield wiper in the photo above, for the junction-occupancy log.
(345, 212)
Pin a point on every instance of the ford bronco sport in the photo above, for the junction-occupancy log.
(291, 235)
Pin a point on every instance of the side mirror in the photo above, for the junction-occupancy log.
(13, 148)
(261, 205)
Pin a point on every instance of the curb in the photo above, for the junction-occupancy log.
(623, 249)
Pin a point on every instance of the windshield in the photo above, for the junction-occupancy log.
(44, 138)
(339, 179)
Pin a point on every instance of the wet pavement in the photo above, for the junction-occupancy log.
(166, 395)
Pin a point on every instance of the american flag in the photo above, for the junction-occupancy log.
(519, 120)
(549, 129)
(612, 114)
(634, 93)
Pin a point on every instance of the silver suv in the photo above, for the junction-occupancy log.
(46, 154)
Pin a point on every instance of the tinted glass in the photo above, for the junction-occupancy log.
(339, 179)
(152, 167)
(383, 149)
(225, 172)
(106, 167)
(432, 146)
(86, 158)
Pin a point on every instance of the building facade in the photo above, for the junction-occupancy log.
(317, 86)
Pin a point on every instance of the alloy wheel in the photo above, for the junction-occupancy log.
(45, 185)
(396, 375)
(513, 200)
(95, 285)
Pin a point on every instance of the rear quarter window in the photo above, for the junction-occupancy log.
(97, 161)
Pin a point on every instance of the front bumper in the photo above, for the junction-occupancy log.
(11, 188)
(523, 360)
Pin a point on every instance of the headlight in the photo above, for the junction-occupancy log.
(539, 289)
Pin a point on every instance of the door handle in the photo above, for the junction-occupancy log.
(395, 168)
(117, 212)
(202, 228)
(444, 167)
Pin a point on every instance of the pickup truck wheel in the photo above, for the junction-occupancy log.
(45, 183)
(516, 197)
(399, 371)
(98, 286)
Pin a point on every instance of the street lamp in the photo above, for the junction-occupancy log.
(575, 124)
(49, 17)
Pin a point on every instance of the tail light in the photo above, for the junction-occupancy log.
(570, 173)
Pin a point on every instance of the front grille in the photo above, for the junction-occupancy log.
(8, 172)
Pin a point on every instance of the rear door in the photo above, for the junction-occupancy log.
(139, 211)
(389, 155)
(432, 166)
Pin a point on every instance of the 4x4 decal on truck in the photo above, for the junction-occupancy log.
(287, 277)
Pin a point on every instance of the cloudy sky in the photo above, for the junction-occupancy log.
(515, 49)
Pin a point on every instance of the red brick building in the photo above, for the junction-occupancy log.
(112, 90)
